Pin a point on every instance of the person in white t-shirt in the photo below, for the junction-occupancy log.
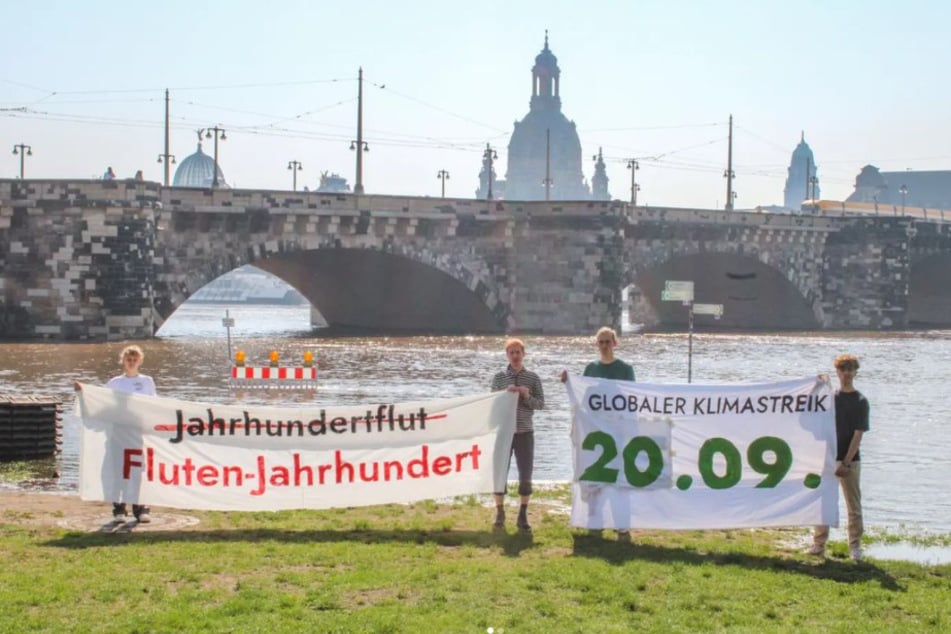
(131, 382)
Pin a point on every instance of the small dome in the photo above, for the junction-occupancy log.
(198, 170)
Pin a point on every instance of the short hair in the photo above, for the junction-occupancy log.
(131, 350)
(604, 330)
(846, 361)
(513, 341)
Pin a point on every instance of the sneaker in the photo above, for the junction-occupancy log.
(624, 537)
(855, 554)
(524, 526)
(141, 514)
(817, 550)
(118, 511)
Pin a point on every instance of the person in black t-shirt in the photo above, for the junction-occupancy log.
(851, 423)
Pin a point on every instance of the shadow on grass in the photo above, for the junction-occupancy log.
(512, 544)
(840, 571)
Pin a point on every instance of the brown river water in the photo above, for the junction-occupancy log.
(906, 471)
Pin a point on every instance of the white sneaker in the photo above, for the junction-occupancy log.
(855, 554)
(816, 550)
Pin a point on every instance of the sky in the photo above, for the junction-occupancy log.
(83, 85)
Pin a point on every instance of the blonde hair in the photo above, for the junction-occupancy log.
(846, 360)
(604, 330)
(512, 341)
(131, 349)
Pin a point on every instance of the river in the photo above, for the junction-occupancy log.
(905, 455)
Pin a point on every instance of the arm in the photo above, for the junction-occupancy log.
(853, 448)
(535, 396)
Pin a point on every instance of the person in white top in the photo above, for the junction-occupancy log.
(130, 381)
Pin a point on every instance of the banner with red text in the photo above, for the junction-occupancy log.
(167, 452)
(702, 456)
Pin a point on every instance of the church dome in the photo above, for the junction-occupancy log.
(198, 170)
(526, 158)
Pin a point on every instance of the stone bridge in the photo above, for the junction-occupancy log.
(113, 259)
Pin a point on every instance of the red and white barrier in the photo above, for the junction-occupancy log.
(278, 378)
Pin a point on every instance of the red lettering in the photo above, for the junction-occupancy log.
(130, 458)
(207, 475)
(421, 463)
(442, 465)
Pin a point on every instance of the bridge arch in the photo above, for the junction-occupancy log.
(754, 295)
(360, 290)
(929, 295)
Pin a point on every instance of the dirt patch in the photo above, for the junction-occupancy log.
(26, 508)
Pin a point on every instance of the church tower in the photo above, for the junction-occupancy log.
(599, 182)
(545, 136)
(802, 183)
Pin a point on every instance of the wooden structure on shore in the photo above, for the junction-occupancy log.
(31, 427)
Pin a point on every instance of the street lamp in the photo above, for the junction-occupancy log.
(295, 167)
(903, 190)
(168, 159)
(443, 175)
(218, 133)
(489, 155)
(24, 151)
(633, 165)
(358, 186)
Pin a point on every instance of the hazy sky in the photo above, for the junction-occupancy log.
(83, 84)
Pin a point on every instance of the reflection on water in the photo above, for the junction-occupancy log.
(931, 555)
(905, 467)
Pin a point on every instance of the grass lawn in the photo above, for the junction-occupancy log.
(435, 567)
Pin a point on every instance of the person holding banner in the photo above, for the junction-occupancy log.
(130, 381)
(851, 423)
(607, 367)
(516, 378)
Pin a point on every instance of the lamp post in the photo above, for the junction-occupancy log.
(903, 190)
(359, 145)
(218, 133)
(443, 175)
(633, 165)
(729, 174)
(168, 159)
(295, 167)
(24, 151)
(489, 155)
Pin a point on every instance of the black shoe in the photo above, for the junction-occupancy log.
(141, 513)
(118, 511)
(499, 523)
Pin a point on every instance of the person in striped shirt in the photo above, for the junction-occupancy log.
(531, 396)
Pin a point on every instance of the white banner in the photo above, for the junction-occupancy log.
(190, 455)
(702, 456)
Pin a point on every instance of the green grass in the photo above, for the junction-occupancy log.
(432, 567)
